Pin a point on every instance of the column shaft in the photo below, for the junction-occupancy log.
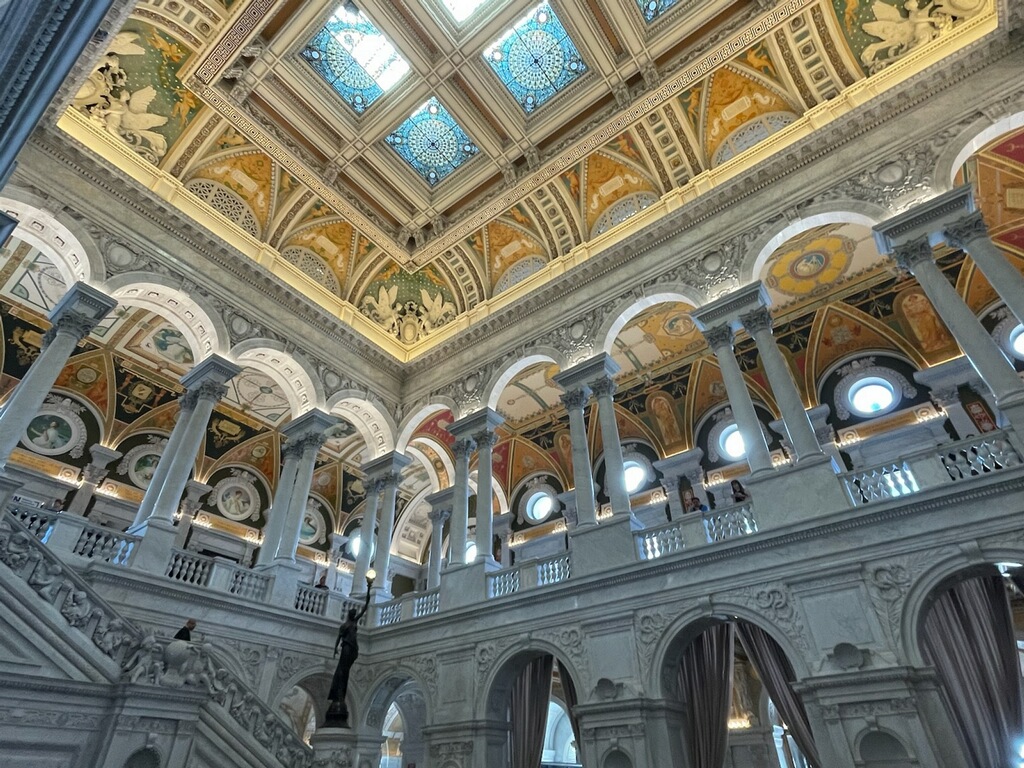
(614, 466)
(385, 531)
(971, 234)
(780, 378)
(979, 347)
(366, 538)
(582, 473)
(485, 495)
(310, 444)
(758, 457)
(171, 448)
(434, 563)
(184, 459)
(459, 531)
(278, 513)
(27, 398)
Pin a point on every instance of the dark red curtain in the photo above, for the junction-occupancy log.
(968, 637)
(531, 693)
(705, 679)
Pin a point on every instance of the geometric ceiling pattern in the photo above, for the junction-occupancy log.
(551, 125)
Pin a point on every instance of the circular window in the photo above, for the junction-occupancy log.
(470, 551)
(731, 443)
(355, 543)
(539, 506)
(635, 474)
(1017, 342)
(872, 396)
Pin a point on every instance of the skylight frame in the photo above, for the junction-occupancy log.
(432, 123)
(360, 68)
(653, 10)
(537, 34)
(457, 15)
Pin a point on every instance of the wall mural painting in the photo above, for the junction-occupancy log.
(409, 305)
(922, 325)
(134, 92)
(58, 429)
(661, 410)
(313, 530)
(86, 374)
(34, 280)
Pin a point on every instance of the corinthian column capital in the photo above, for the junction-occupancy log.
(911, 254)
(965, 229)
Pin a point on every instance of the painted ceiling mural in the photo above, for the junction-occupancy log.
(413, 241)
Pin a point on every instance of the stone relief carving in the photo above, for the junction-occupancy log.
(571, 641)
(426, 669)
(889, 582)
(336, 758)
(775, 602)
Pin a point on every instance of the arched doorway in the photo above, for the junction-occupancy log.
(397, 710)
(532, 698)
(735, 684)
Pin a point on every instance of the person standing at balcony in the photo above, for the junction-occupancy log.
(185, 633)
(348, 643)
(739, 493)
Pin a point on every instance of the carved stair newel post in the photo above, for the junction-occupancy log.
(614, 466)
(440, 510)
(93, 474)
(720, 340)
(278, 511)
(582, 474)
(459, 528)
(971, 235)
(373, 488)
(915, 256)
(758, 324)
(74, 316)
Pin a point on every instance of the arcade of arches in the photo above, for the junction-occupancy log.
(652, 371)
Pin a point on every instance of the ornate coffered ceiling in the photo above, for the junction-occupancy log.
(579, 123)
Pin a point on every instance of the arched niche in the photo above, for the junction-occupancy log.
(501, 379)
(292, 373)
(373, 423)
(618, 319)
(975, 138)
(415, 419)
(74, 253)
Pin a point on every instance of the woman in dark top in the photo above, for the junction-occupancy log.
(348, 643)
(739, 493)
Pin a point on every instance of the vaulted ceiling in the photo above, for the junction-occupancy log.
(408, 163)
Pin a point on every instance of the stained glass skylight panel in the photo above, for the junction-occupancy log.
(652, 9)
(355, 59)
(461, 10)
(535, 59)
(432, 142)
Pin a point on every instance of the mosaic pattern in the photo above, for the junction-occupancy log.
(355, 59)
(535, 58)
(652, 9)
(432, 142)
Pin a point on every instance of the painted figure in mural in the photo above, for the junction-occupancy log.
(924, 323)
(665, 416)
(173, 346)
(47, 434)
(348, 644)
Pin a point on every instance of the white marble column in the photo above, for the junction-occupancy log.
(440, 510)
(308, 447)
(366, 536)
(74, 316)
(206, 387)
(614, 466)
(171, 446)
(194, 493)
(970, 234)
(981, 349)
(575, 400)
(458, 531)
(278, 512)
(758, 323)
(92, 475)
(720, 340)
(385, 533)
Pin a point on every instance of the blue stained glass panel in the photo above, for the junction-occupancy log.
(535, 58)
(652, 9)
(432, 142)
(355, 59)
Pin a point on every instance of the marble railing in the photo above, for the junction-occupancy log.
(138, 658)
(311, 600)
(190, 568)
(426, 603)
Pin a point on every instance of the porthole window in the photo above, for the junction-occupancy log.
(731, 444)
(871, 396)
(539, 506)
(636, 475)
(470, 551)
(1017, 342)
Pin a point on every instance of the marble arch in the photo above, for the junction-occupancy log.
(412, 422)
(507, 666)
(73, 252)
(851, 212)
(204, 330)
(503, 376)
(374, 424)
(385, 689)
(958, 152)
(412, 521)
(942, 568)
(498, 488)
(678, 633)
(668, 294)
(292, 373)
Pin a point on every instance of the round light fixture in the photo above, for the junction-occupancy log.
(872, 396)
